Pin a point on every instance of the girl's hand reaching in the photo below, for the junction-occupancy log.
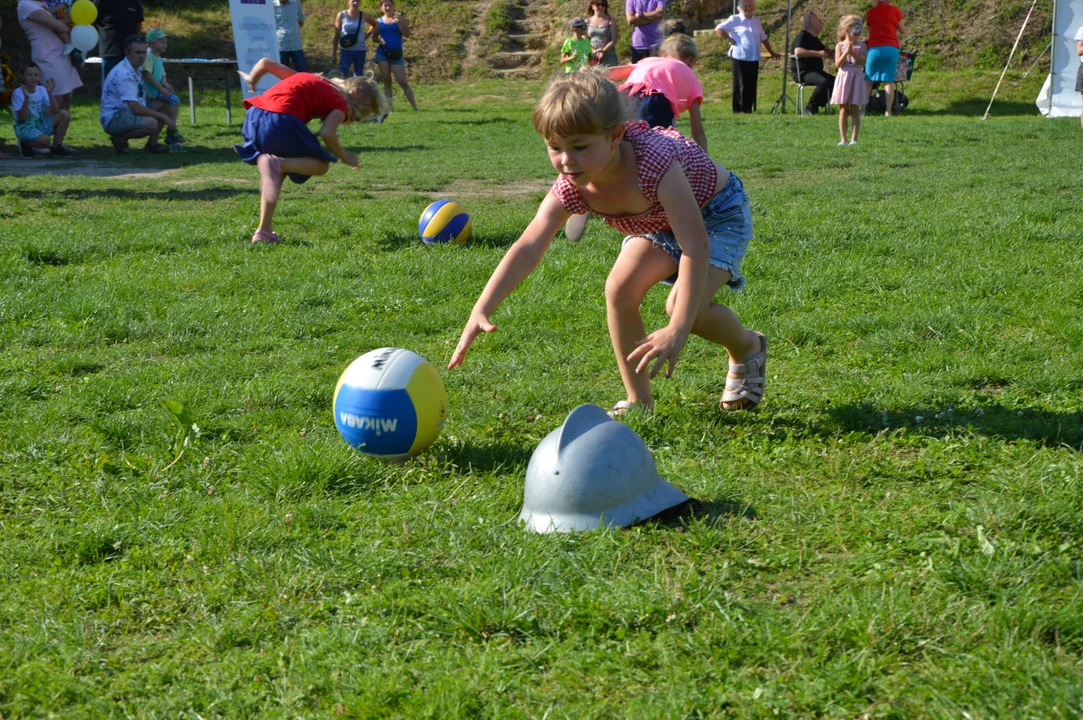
(477, 324)
(664, 344)
(50, 84)
(350, 158)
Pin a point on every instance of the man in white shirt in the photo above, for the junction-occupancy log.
(746, 33)
(290, 18)
(124, 111)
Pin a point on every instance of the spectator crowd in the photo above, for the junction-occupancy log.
(138, 101)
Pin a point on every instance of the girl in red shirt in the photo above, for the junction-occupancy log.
(276, 136)
(687, 221)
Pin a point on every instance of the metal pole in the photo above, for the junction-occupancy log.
(1010, 56)
(192, 99)
(783, 98)
(786, 54)
(1053, 56)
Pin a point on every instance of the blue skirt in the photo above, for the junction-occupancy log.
(882, 64)
(279, 134)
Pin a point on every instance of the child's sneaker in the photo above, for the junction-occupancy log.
(26, 149)
(60, 151)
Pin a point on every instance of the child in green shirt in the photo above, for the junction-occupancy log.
(576, 51)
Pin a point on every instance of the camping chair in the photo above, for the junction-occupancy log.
(902, 75)
(795, 72)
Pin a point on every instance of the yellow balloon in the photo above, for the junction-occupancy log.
(84, 12)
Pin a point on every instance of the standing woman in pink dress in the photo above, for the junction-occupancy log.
(47, 38)
(851, 91)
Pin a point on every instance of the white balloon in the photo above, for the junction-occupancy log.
(84, 37)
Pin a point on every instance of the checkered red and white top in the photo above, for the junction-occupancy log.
(656, 149)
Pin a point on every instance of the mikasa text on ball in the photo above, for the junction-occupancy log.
(445, 221)
(390, 403)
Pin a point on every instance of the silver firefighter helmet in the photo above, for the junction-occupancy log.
(593, 471)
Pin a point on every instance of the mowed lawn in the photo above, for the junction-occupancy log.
(897, 532)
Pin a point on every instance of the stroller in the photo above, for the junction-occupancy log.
(878, 98)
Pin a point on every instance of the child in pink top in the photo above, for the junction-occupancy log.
(667, 85)
(687, 221)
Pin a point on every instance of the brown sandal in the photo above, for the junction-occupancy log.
(745, 391)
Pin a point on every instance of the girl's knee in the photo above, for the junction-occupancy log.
(621, 291)
(324, 167)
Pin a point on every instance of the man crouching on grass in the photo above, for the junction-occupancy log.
(124, 112)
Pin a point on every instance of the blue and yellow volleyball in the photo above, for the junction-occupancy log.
(445, 221)
(390, 403)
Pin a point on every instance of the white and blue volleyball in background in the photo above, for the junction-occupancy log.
(445, 221)
(390, 403)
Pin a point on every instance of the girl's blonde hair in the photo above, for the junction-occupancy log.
(681, 47)
(581, 104)
(847, 22)
(363, 97)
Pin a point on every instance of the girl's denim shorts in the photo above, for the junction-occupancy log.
(729, 230)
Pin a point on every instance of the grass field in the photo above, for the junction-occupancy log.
(895, 533)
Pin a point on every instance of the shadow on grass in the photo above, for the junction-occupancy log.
(401, 240)
(994, 421)
(710, 511)
(485, 121)
(976, 108)
(389, 148)
(487, 457)
(120, 194)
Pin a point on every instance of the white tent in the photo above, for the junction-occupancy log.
(1058, 97)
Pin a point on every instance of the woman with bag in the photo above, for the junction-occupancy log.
(602, 31)
(393, 28)
(350, 34)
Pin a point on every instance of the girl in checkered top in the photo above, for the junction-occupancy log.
(687, 222)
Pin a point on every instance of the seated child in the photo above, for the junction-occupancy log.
(576, 52)
(160, 95)
(61, 10)
(38, 118)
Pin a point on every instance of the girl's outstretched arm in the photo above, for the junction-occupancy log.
(261, 68)
(329, 133)
(620, 72)
(686, 222)
(518, 263)
(695, 119)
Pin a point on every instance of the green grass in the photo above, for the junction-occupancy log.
(896, 533)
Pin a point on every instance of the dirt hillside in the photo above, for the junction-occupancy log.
(477, 38)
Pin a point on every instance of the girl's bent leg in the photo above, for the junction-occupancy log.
(717, 323)
(639, 267)
(400, 77)
(61, 120)
(305, 166)
(385, 76)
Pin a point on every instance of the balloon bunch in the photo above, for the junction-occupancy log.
(84, 36)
